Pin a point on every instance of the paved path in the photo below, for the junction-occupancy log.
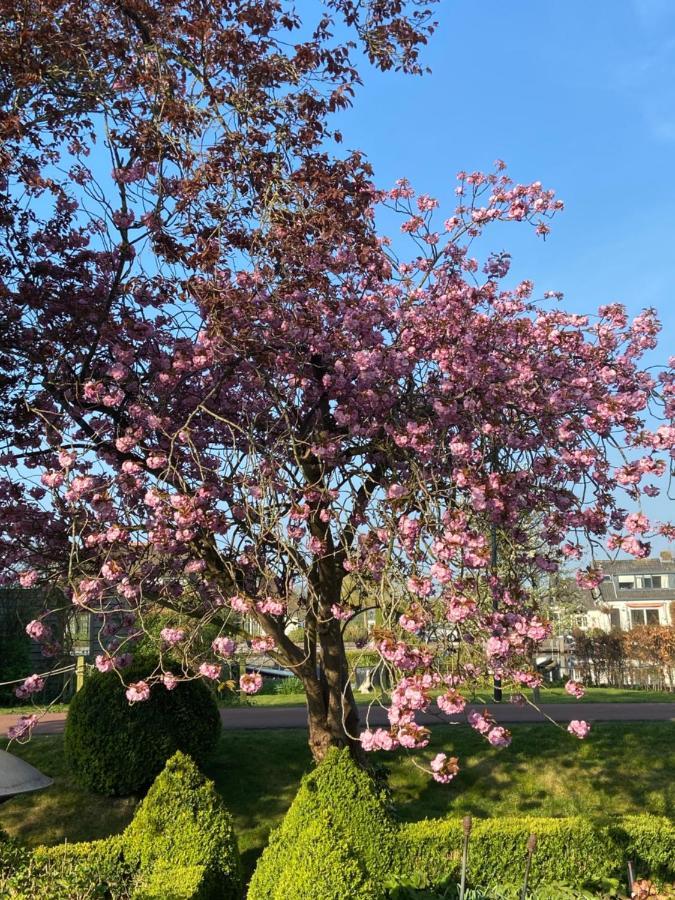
(507, 713)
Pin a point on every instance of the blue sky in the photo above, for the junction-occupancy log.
(579, 95)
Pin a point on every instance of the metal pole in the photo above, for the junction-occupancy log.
(497, 682)
(466, 827)
(631, 877)
(531, 845)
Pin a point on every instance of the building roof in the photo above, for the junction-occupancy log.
(662, 565)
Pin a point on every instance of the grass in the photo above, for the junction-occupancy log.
(27, 708)
(605, 695)
(548, 695)
(267, 700)
(621, 768)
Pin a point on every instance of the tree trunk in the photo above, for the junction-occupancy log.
(333, 721)
(332, 713)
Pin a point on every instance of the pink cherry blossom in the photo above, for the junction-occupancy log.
(224, 646)
(28, 579)
(579, 728)
(499, 736)
(270, 606)
(340, 613)
(231, 399)
(239, 604)
(481, 723)
(32, 685)
(250, 683)
(451, 702)
(38, 630)
(263, 644)
(575, 689)
(105, 663)
(137, 692)
(444, 768)
(172, 636)
(210, 670)
(380, 739)
(23, 727)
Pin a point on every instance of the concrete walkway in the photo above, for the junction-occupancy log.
(295, 717)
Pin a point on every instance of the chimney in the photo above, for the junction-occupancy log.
(666, 556)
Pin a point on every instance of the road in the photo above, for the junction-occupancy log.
(295, 717)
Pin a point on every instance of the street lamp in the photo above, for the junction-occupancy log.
(19, 777)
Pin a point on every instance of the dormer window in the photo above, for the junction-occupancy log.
(650, 582)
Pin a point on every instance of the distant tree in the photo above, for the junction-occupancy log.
(601, 657)
(653, 646)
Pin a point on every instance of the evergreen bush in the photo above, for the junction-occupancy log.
(118, 748)
(183, 825)
(573, 851)
(337, 839)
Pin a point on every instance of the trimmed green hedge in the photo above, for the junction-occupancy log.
(337, 839)
(183, 825)
(571, 851)
(180, 845)
(118, 748)
(12, 857)
(86, 870)
(650, 841)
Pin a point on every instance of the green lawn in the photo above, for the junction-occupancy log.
(604, 695)
(621, 768)
(297, 699)
(28, 708)
(548, 695)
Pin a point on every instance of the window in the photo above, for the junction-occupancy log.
(626, 582)
(615, 620)
(644, 617)
(649, 582)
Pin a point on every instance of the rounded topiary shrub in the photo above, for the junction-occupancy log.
(118, 748)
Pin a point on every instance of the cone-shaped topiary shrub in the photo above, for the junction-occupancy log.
(182, 839)
(336, 841)
(117, 748)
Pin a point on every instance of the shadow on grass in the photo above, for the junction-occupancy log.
(620, 769)
(258, 774)
(64, 811)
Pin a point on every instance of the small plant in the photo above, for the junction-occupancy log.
(291, 685)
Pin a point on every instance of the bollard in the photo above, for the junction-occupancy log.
(531, 846)
(466, 827)
(79, 673)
